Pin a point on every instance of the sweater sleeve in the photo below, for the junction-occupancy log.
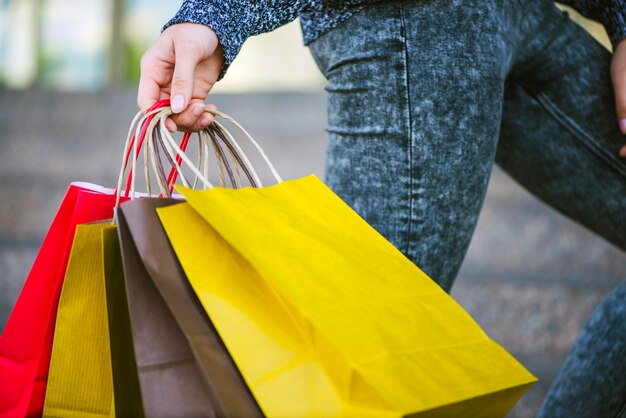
(234, 21)
(610, 13)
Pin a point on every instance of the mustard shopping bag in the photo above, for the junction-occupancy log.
(80, 381)
(92, 335)
(326, 318)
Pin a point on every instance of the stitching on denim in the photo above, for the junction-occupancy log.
(578, 132)
(410, 128)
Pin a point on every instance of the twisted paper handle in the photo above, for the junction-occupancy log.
(150, 128)
(230, 142)
(134, 142)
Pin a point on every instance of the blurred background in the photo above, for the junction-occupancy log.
(68, 77)
(90, 45)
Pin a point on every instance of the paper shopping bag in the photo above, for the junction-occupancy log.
(126, 389)
(324, 317)
(183, 367)
(26, 341)
(80, 381)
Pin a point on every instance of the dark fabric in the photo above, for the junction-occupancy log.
(596, 361)
(184, 368)
(423, 98)
(234, 21)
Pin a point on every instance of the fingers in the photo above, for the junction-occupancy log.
(186, 120)
(207, 118)
(183, 66)
(183, 78)
(193, 119)
(148, 93)
(149, 90)
(170, 125)
(202, 123)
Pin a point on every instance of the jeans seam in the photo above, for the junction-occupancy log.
(578, 132)
(410, 128)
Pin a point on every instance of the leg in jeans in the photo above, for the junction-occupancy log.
(559, 139)
(415, 101)
(423, 93)
(592, 382)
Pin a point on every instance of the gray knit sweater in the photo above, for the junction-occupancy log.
(234, 21)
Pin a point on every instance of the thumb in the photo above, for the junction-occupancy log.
(183, 79)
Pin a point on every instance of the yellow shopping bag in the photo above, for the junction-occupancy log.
(325, 318)
(80, 381)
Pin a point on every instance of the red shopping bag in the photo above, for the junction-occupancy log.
(26, 341)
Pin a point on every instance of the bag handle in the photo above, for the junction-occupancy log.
(141, 128)
(131, 146)
(250, 138)
(150, 126)
(206, 138)
(228, 139)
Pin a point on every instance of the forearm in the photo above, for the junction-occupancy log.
(234, 21)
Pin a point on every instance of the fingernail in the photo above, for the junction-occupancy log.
(198, 110)
(622, 125)
(204, 122)
(177, 103)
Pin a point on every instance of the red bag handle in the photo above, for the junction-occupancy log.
(173, 174)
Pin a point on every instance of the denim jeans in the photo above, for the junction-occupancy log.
(425, 95)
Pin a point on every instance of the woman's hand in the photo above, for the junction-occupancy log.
(618, 76)
(183, 65)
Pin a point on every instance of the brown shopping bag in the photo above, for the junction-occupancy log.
(184, 369)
